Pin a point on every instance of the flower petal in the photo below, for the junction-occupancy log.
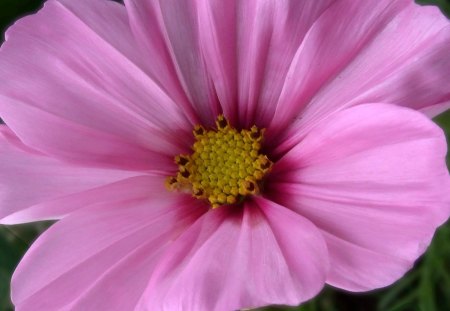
(101, 257)
(230, 56)
(268, 33)
(29, 178)
(59, 207)
(374, 180)
(376, 51)
(168, 30)
(84, 95)
(217, 25)
(240, 258)
(149, 33)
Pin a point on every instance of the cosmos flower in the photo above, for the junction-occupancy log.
(219, 155)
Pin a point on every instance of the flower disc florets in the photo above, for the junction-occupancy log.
(225, 166)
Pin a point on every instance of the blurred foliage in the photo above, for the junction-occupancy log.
(425, 288)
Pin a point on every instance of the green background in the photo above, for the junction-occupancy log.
(425, 288)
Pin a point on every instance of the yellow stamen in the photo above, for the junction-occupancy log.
(225, 166)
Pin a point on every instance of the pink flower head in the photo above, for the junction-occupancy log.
(345, 186)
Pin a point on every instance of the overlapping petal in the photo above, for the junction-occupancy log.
(29, 179)
(373, 51)
(268, 33)
(73, 85)
(239, 51)
(168, 31)
(264, 62)
(101, 257)
(240, 258)
(377, 189)
(102, 96)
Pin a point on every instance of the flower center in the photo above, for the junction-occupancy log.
(226, 164)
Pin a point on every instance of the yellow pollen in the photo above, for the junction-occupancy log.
(225, 166)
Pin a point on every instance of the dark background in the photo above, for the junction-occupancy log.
(425, 288)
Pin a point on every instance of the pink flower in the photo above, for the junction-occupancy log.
(346, 189)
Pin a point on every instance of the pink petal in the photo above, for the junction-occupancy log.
(374, 180)
(217, 26)
(101, 257)
(146, 26)
(230, 56)
(268, 35)
(240, 258)
(168, 31)
(84, 95)
(59, 207)
(375, 51)
(434, 110)
(29, 178)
